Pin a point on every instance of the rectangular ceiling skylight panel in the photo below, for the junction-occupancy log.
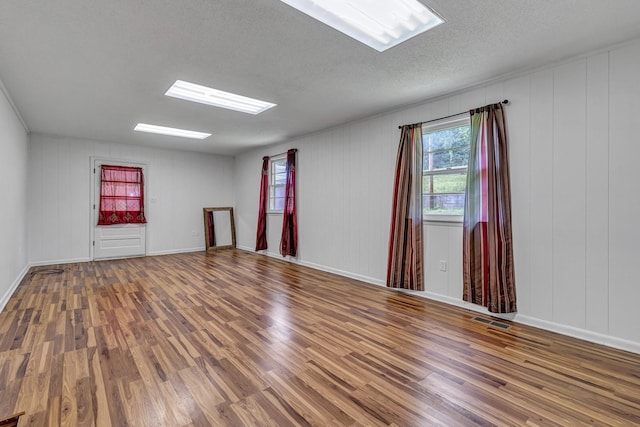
(218, 98)
(163, 130)
(380, 24)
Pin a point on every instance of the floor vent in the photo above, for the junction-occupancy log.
(48, 271)
(491, 322)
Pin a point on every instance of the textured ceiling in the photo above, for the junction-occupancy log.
(95, 68)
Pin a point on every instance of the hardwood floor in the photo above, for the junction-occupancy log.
(233, 338)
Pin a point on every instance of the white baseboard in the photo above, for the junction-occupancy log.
(72, 260)
(5, 298)
(58, 261)
(339, 272)
(570, 331)
(583, 334)
(315, 266)
(174, 251)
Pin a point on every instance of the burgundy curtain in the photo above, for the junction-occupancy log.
(488, 269)
(261, 234)
(121, 195)
(406, 247)
(289, 240)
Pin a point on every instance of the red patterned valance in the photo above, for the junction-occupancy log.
(121, 195)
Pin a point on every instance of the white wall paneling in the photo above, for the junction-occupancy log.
(437, 244)
(178, 186)
(518, 131)
(597, 203)
(13, 215)
(573, 151)
(568, 193)
(624, 204)
(540, 192)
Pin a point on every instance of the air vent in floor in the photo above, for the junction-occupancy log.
(491, 322)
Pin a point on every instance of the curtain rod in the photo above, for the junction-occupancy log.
(282, 154)
(505, 102)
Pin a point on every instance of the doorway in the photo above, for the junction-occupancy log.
(115, 241)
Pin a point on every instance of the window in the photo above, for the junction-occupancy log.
(121, 195)
(445, 159)
(277, 183)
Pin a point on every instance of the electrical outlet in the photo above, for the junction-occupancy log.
(443, 265)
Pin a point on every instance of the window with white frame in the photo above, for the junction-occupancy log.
(277, 183)
(445, 161)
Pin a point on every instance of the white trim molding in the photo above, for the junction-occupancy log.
(14, 286)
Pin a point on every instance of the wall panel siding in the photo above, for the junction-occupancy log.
(597, 190)
(179, 185)
(624, 203)
(13, 215)
(573, 151)
(519, 132)
(569, 194)
(455, 279)
(437, 244)
(541, 195)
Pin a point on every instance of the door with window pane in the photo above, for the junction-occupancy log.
(120, 240)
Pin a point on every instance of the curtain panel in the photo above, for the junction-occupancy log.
(261, 234)
(488, 269)
(289, 239)
(406, 247)
(121, 195)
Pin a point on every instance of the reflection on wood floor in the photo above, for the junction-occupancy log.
(234, 338)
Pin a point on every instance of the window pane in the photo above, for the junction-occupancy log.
(445, 151)
(449, 183)
(133, 190)
(446, 148)
(277, 180)
(278, 203)
(280, 179)
(443, 204)
(279, 172)
(447, 138)
(446, 159)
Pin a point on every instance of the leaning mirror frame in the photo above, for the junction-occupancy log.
(210, 229)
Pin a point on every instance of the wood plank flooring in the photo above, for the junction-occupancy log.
(233, 338)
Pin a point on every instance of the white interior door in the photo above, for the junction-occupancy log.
(115, 241)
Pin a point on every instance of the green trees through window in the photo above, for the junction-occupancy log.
(445, 161)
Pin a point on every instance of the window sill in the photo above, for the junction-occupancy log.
(274, 212)
(443, 219)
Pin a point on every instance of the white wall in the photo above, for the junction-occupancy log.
(178, 185)
(573, 150)
(13, 193)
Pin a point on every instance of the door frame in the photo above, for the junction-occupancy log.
(92, 201)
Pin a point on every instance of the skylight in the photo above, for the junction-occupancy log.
(380, 24)
(217, 98)
(162, 130)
